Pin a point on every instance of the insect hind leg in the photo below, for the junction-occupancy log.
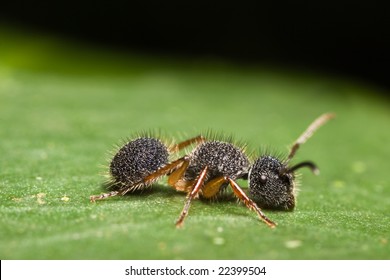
(102, 196)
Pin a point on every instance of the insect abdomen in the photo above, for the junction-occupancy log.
(137, 159)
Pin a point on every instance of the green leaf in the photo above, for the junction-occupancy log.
(64, 107)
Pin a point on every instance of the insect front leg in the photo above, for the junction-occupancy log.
(249, 203)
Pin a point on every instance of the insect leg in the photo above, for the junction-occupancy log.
(93, 198)
(148, 180)
(167, 169)
(175, 148)
(213, 186)
(176, 180)
(151, 178)
(249, 203)
(190, 196)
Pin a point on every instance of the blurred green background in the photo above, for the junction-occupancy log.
(65, 105)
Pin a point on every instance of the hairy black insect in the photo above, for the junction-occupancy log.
(211, 166)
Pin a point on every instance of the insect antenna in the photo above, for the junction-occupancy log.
(313, 167)
(321, 120)
(317, 123)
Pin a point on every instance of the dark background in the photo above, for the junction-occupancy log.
(349, 38)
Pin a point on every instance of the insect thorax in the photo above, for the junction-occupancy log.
(221, 158)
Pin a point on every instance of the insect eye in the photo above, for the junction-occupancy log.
(263, 179)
